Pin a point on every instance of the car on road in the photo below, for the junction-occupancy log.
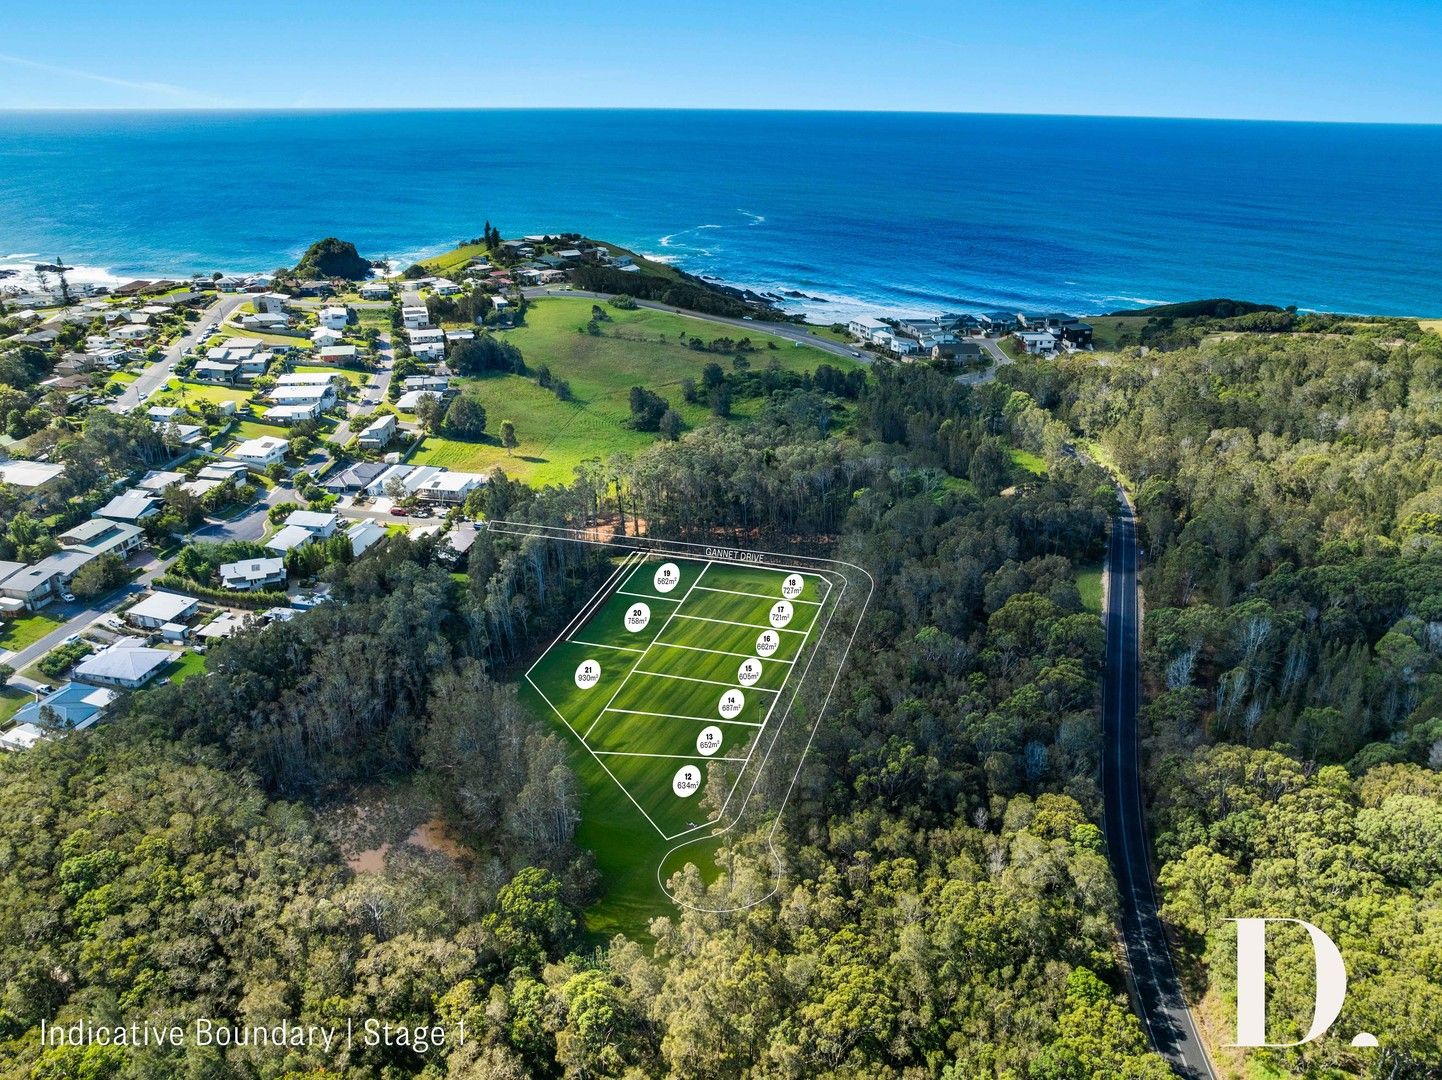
(400, 511)
(70, 639)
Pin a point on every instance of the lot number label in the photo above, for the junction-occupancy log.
(748, 672)
(768, 643)
(732, 702)
(780, 613)
(588, 674)
(687, 781)
(637, 616)
(792, 586)
(668, 576)
(709, 741)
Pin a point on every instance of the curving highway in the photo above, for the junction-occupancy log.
(1156, 989)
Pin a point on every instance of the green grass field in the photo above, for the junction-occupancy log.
(1027, 462)
(186, 390)
(15, 634)
(641, 347)
(1089, 584)
(12, 700)
(671, 676)
(185, 665)
(458, 258)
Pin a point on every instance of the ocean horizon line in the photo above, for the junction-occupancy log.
(764, 110)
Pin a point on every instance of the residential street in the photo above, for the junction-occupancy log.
(1156, 989)
(156, 374)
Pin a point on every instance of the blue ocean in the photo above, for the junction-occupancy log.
(899, 212)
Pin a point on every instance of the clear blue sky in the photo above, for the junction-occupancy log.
(1366, 60)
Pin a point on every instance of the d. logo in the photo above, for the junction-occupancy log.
(1252, 990)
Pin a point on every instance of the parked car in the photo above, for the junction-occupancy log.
(399, 511)
(70, 639)
(44, 688)
(68, 597)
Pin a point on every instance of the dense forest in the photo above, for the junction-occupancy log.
(1289, 489)
(946, 908)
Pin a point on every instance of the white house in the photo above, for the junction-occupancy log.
(103, 537)
(122, 665)
(408, 401)
(320, 395)
(317, 522)
(422, 337)
(162, 608)
(445, 287)
(259, 452)
(293, 414)
(131, 332)
(379, 433)
(324, 335)
(133, 505)
(310, 378)
(429, 350)
(415, 318)
(375, 290)
(460, 335)
(1038, 343)
(863, 326)
(288, 539)
(251, 574)
(334, 318)
(29, 475)
(270, 303)
(363, 535)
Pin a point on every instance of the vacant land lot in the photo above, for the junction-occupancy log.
(642, 347)
(666, 683)
(15, 634)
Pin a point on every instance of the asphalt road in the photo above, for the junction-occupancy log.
(156, 373)
(1156, 988)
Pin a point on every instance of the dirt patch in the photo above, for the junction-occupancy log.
(431, 835)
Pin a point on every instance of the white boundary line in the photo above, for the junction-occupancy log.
(745, 625)
(647, 649)
(596, 645)
(722, 652)
(678, 757)
(585, 608)
(761, 596)
(653, 596)
(677, 716)
(712, 682)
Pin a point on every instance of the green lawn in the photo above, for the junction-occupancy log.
(1112, 332)
(1089, 584)
(124, 378)
(12, 699)
(186, 665)
(1029, 462)
(641, 347)
(454, 260)
(187, 390)
(18, 633)
(694, 664)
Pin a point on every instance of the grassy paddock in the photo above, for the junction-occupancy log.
(656, 688)
(641, 347)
